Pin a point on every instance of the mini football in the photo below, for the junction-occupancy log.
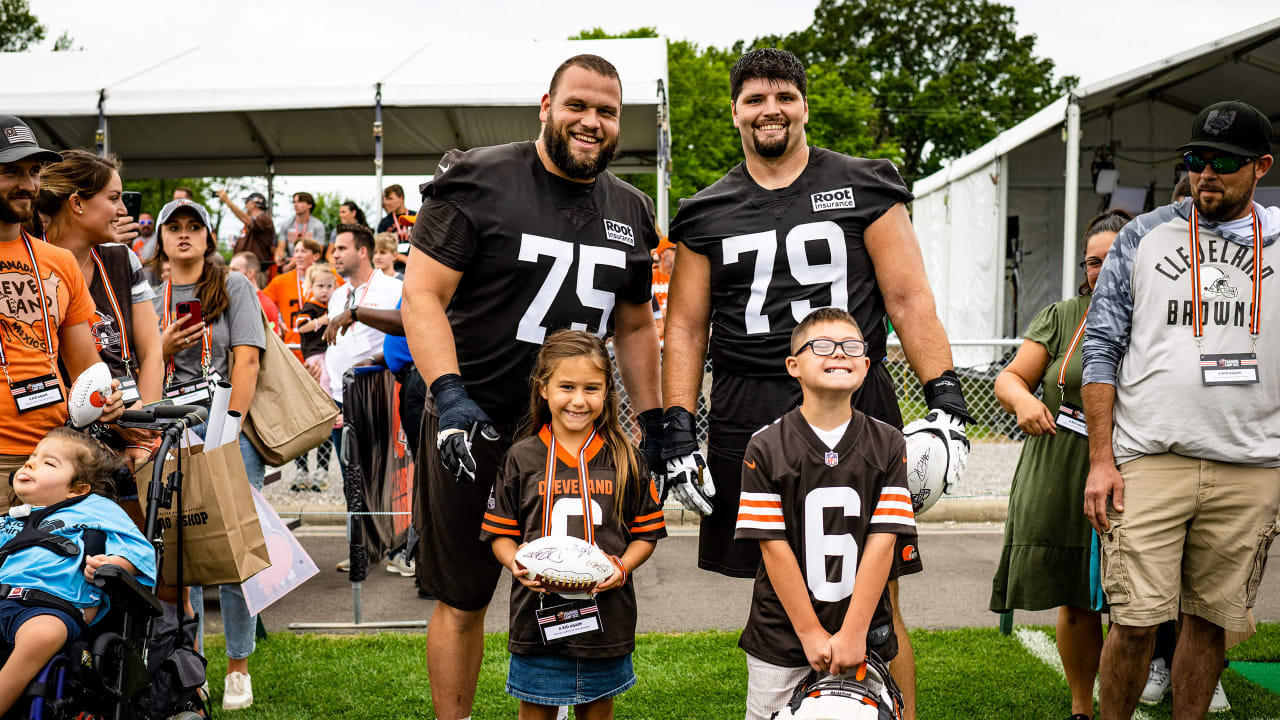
(88, 395)
(927, 463)
(567, 566)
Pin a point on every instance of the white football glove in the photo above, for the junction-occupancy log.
(952, 430)
(690, 481)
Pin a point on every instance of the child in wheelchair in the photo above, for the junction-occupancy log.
(52, 546)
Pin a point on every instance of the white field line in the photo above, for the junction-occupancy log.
(1038, 644)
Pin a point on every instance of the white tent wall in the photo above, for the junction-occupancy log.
(1140, 118)
(965, 279)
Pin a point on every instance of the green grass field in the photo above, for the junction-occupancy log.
(974, 673)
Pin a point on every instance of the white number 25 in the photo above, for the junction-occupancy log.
(765, 246)
(531, 329)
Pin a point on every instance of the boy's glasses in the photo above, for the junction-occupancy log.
(1222, 164)
(823, 347)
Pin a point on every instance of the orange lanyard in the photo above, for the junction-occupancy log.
(44, 311)
(302, 299)
(1255, 316)
(584, 485)
(115, 307)
(1075, 340)
(206, 343)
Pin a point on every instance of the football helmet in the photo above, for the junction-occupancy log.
(937, 450)
(868, 693)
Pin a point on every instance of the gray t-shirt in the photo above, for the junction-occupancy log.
(240, 324)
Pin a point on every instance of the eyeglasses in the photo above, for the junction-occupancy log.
(1090, 264)
(1222, 164)
(823, 347)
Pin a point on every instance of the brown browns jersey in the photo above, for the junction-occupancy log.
(824, 502)
(520, 510)
(537, 253)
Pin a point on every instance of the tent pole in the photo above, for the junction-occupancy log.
(377, 136)
(271, 187)
(1002, 244)
(663, 183)
(100, 137)
(1070, 199)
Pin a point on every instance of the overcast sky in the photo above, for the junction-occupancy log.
(1093, 39)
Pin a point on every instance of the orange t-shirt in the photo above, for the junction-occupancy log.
(286, 290)
(25, 337)
(661, 283)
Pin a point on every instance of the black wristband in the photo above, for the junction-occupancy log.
(650, 421)
(354, 317)
(945, 393)
(678, 436)
(449, 382)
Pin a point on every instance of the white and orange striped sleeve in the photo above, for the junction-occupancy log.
(759, 503)
(893, 512)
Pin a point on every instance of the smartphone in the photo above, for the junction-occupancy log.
(192, 308)
(132, 203)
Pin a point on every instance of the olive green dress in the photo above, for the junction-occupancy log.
(1045, 559)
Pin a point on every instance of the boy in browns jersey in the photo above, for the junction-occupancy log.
(790, 229)
(824, 492)
(513, 243)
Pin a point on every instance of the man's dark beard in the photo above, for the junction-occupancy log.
(556, 139)
(10, 215)
(771, 149)
(1230, 207)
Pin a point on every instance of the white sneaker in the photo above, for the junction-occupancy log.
(397, 563)
(344, 565)
(1219, 702)
(562, 713)
(1157, 683)
(238, 693)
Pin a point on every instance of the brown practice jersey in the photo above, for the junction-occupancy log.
(774, 256)
(537, 254)
(525, 509)
(824, 502)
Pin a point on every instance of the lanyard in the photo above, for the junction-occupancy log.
(1075, 340)
(44, 311)
(1255, 317)
(360, 303)
(206, 343)
(584, 483)
(296, 232)
(302, 299)
(115, 307)
(402, 231)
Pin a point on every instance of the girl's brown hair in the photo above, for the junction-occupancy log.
(211, 288)
(95, 464)
(80, 172)
(567, 344)
(1109, 221)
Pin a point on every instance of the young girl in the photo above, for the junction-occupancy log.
(575, 439)
(312, 319)
(64, 485)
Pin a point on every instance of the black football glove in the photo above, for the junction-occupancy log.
(651, 446)
(945, 393)
(460, 420)
(687, 474)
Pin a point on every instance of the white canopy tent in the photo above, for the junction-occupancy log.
(1000, 226)
(214, 111)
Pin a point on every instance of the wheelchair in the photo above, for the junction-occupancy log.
(104, 674)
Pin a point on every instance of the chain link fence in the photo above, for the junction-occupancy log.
(996, 439)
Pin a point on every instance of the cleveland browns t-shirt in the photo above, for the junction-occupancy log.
(537, 254)
(517, 511)
(824, 502)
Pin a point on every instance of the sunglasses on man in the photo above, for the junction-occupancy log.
(1222, 164)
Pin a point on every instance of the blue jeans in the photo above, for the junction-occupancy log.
(238, 625)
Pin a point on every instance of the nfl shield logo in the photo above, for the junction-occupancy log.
(832, 457)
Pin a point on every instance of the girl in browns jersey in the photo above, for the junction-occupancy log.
(575, 473)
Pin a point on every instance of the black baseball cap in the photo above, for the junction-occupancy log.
(17, 142)
(258, 198)
(1232, 127)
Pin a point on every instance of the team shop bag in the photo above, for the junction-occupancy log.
(290, 413)
(222, 541)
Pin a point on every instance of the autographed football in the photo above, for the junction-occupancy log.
(88, 395)
(926, 468)
(567, 566)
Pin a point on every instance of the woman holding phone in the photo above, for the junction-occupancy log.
(212, 331)
(81, 197)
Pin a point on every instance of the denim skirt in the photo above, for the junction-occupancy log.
(554, 679)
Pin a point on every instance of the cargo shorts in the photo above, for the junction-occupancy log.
(1193, 538)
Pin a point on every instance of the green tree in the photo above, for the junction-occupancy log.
(599, 33)
(158, 191)
(19, 27)
(326, 211)
(945, 76)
